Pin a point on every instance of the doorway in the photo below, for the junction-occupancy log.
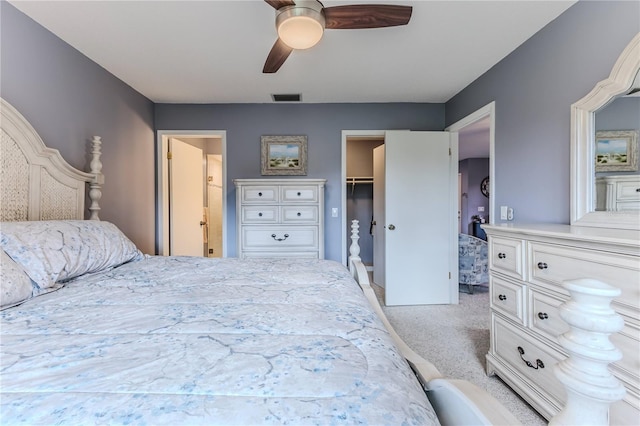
(476, 136)
(360, 196)
(418, 168)
(201, 226)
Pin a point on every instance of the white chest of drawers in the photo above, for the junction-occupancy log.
(527, 267)
(280, 217)
(618, 193)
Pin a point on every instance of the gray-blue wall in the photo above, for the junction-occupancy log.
(322, 123)
(534, 88)
(68, 98)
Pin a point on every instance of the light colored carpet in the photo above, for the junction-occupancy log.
(455, 338)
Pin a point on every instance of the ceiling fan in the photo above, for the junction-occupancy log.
(300, 24)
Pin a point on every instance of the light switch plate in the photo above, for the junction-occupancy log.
(334, 212)
(503, 212)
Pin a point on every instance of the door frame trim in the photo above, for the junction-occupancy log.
(488, 110)
(162, 184)
(343, 182)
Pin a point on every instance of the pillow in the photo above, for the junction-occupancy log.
(15, 285)
(58, 250)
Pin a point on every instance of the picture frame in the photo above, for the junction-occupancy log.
(616, 150)
(283, 155)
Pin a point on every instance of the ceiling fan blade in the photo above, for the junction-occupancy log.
(277, 4)
(279, 53)
(366, 16)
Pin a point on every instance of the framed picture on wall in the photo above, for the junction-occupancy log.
(284, 155)
(616, 150)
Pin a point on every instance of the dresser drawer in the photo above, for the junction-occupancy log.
(550, 265)
(529, 357)
(259, 194)
(299, 193)
(628, 368)
(280, 238)
(628, 191)
(507, 298)
(297, 214)
(544, 316)
(280, 254)
(506, 256)
(260, 214)
(627, 205)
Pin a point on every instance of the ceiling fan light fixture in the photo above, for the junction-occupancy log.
(300, 27)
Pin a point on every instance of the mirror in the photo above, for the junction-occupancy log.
(594, 202)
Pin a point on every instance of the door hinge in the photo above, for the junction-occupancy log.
(449, 152)
(449, 275)
(169, 155)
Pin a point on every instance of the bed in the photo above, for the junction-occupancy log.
(95, 332)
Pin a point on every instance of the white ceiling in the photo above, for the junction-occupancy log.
(213, 51)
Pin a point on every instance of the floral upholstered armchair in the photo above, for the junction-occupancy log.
(473, 261)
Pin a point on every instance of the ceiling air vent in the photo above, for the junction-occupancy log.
(292, 97)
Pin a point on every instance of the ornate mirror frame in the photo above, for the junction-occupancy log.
(583, 189)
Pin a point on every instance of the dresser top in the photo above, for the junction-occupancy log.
(623, 237)
(268, 181)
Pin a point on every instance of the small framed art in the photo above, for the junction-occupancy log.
(616, 150)
(284, 155)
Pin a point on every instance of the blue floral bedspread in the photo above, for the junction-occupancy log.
(179, 340)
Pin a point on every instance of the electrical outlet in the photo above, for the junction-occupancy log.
(503, 212)
(509, 213)
(480, 208)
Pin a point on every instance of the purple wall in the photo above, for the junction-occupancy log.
(323, 125)
(534, 88)
(68, 98)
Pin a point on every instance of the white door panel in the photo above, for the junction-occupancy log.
(420, 217)
(186, 194)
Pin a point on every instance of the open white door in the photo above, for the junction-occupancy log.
(186, 195)
(378, 216)
(420, 212)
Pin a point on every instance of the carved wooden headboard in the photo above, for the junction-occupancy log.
(36, 183)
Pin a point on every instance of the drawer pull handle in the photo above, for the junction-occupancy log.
(299, 214)
(279, 239)
(502, 297)
(299, 194)
(539, 363)
(542, 265)
(543, 315)
(259, 194)
(502, 256)
(637, 189)
(260, 214)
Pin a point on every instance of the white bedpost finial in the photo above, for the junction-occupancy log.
(354, 249)
(95, 187)
(591, 388)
